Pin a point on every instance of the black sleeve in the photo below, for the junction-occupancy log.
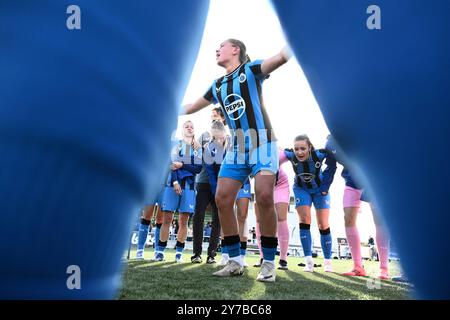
(209, 95)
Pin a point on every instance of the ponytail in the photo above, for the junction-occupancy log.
(243, 56)
(304, 137)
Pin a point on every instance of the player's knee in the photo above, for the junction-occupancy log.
(323, 225)
(184, 218)
(224, 201)
(241, 218)
(349, 221)
(167, 219)
(265, 199)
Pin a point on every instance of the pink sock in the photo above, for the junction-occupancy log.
(382, 241)
(258, 237)
(283, 238)
(355, 245)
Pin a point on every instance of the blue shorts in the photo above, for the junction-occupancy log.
(304, 198)
(240, 165)
(158, 199)
(184, 203)
(245, 192)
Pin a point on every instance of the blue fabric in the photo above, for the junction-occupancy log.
(192, 164)
(240, 165)
(305, 198)
(157, 232)
(142, 236)
(213, 158)
(82, 132)
(240, 97)
(306, 176)
(179, 250)
(157, 199)
(85, 123)
(327, 243)
(384, 93)
(181, 203)
(306, 240)
(245, 192)
(269, 253)
(234, 250)
(224, 249)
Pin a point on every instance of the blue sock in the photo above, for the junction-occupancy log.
(233, 246)
(269, 247)
(224, 247)
(142, 234)
(243, 248)
(325, 239)
(305, 239)
(157, 231)
(234, 250)
(179, 248)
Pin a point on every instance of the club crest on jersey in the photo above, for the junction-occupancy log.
(242, 78)
(306, 177)
(238, 105)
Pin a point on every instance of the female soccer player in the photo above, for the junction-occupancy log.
(242, 202)
(239, 93)
(145, 222)
(353, 195)
(205, 197)
(215, 151)
(179, 194)
(281, 199)
(311, 186)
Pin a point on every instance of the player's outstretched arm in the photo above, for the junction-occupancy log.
(196, 106)
(276, 61)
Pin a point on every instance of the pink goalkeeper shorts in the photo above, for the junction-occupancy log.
(281, 193)
(352, 197)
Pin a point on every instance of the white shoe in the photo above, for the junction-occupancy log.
(309, 264)
(327, 266)
(267, 273)
(140, 255)
(224, 261)
(232, 268)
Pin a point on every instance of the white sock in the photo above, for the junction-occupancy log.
(225, 256)
(271, 262)
(238, 259)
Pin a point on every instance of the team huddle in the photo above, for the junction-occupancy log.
(216, 170)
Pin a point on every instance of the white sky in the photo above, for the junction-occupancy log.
(289, 101)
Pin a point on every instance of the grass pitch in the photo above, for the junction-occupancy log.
(168, 280)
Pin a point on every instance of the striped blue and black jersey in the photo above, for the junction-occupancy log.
(239, 94)
(192, 164)
(309, 175)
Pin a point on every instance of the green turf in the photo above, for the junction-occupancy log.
(168, 280)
